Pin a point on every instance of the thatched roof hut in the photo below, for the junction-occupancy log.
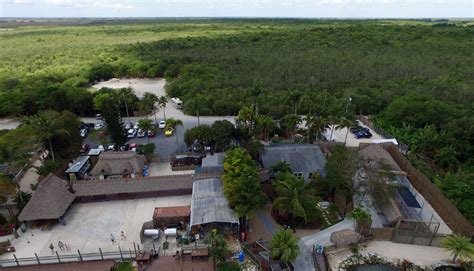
(119, 163)
(50, 200)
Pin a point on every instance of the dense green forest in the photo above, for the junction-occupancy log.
(415, 77)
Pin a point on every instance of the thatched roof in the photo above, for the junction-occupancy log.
(344, 238)
(50, 200)
(119, 163)
(373, 153)
(127, 186)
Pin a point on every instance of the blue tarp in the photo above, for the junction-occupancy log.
(408, 197)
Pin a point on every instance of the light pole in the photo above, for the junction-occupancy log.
(348, 102)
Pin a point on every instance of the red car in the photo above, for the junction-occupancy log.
(151, 133)
(84, 148)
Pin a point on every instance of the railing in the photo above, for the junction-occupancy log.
(78, 257)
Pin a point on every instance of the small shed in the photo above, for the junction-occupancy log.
(165, 216)
(186, 161)
(344, 238)
(78, 168)
(212, 163)
(209, 206)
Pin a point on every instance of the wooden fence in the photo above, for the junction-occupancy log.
(443, 206)
(385, 234)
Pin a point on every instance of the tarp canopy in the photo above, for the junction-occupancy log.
(209, 205)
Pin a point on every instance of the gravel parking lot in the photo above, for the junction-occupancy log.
(89, 225)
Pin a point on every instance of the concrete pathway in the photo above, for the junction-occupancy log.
(304, 261)
(30, 177)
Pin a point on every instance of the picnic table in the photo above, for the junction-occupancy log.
(143, 257)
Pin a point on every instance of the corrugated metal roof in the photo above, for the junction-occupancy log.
(208, 203)
(302, 158)
(77, 164)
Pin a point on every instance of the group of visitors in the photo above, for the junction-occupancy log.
(62, 246)
(122, 237)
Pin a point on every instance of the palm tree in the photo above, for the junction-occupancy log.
(162, 101)
(194, 105)
(316, 126)
(149, 100)
(459, 246)
(284, 246)
(255, 92)
(294, 97)
(247, 117)
(145, 125)
(293, 195)
(291, 123)
(174, 123)
(344, 123)
(265, 125)
(218, 247)
(332, 121)
(46, 127)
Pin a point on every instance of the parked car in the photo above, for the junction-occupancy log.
(133, 147)
(363, 134)
(84, 148)
(90, 125)
(169, 131)
(162, 124)
(135, 126)
(141, 133)
(151, 133)
(98, 116)
(101, 147)
(98, 126)
(84, 132)
(128, 125)
(111, 147)
(125, 147)
(132, 133)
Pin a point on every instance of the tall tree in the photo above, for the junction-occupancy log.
(294, 196)
(341, 167)
(194, 105)
(265, 125)
(344, 123)
(284, 246)
(247, 118)
(218, 248)
(333, 120)
(255, 92)
(459, 246)
(316, 126)
(145, 125)
(115, 126)
(148, 103)
(242, 184)
(46, 126)
(162, 101)
(293, 99)
(174, 123)
(291, 123)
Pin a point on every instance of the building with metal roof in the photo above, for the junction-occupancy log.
(210, 206)
(212, 163)
(305, 160)
(78, 168)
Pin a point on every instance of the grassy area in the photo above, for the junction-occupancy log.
(124, 266)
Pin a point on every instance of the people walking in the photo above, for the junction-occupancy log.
(112, 238)
(122, 236)
(61, 245)
(52, 248)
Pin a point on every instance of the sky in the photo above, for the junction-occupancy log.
(240, 8)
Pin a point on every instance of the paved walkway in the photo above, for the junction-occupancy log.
(86, 266)
(30, 177)
(304, 261)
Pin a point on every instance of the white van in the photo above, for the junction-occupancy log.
(177, 103)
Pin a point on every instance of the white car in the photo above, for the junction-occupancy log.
(141, 133)
(84, 133)
(101, 148)
(162, 124)
(98, 126)
(128, 125)
(132, 133)
(135, 126)
(111, 147)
